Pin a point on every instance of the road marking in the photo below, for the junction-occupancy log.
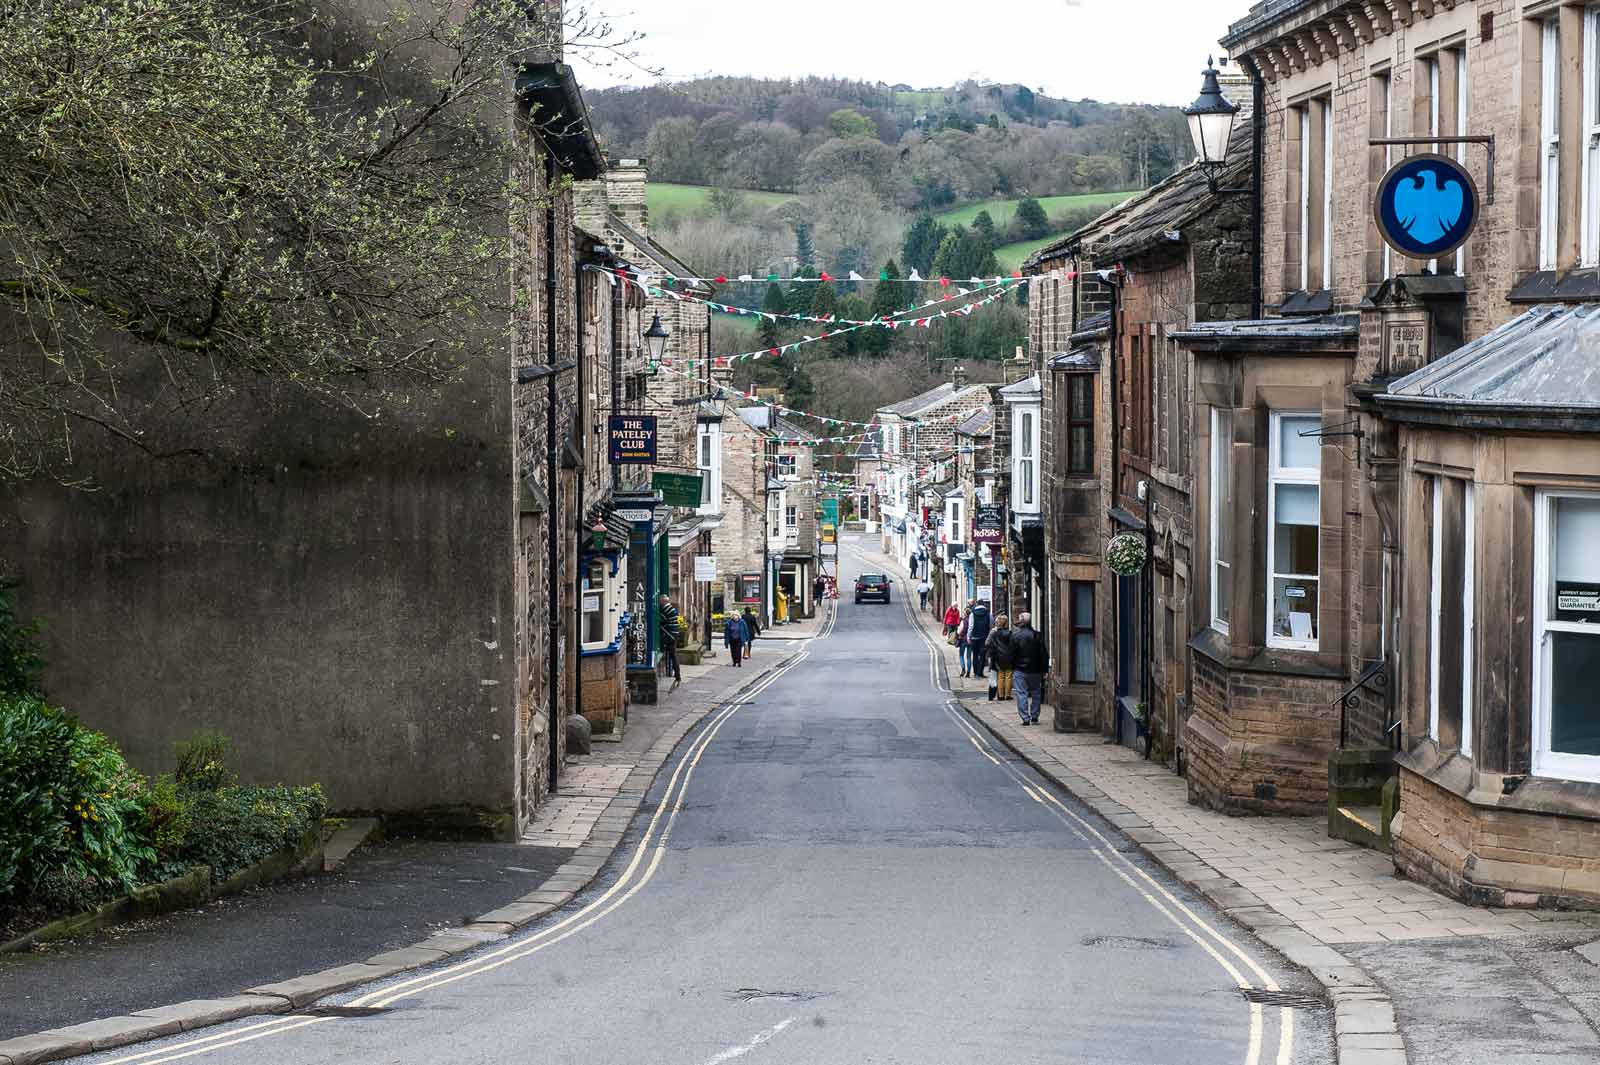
(1110, 856)
(741, 1051)
(483, 963)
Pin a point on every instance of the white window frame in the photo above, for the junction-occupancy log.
(1469, 612)
(788, 466)
(608, 607)
(1550, 140)
(710, 446)
(1435, 602)
(1277, 475)
(1431, 68)
(1221, 463)
(1305, 196)
(1459, 57)
(1548, 763)
(1589, 244)
(1326, 104)
(1387, 77)
(791, 516)
(775, 515)
(1026, 485)
(954, 531)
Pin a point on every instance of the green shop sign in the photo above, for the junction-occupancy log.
(678, 489)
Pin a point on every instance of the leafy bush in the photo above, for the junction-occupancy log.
(70, 816)
(236, 827)
(202, 763)
(19, 651)
(168, 817)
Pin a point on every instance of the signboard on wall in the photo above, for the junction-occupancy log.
(705, 568)
(1426, 206)
(633, 439)
(989, 524)
(678, 489)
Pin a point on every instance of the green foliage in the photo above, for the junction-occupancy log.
(964, 254)
(922, 244)
(236, 827)
(847, 122)
(202, 763)
(805, 251)
(1030, 222)
(20, 662)
(70, 816)
(168, 817)
(773, 302)
(983, 225)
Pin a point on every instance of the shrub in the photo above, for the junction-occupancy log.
(202, 763)
(70, 815)
(236, 827)
(19, 651)
(168, 817)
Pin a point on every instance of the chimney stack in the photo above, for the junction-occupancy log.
(625, 189)
(958, 376)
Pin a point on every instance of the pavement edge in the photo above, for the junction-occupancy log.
(298, 992)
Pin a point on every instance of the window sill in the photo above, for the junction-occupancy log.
(1580, 285)
(1455, 773)
(1213, 645)
(1303, 302)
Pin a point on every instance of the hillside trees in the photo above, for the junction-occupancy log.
(964, 254)
(1030, 221)
(848, 122)
(922, 243)
(670, 149)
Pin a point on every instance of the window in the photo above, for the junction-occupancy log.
(1025, 459)
(1469, 612)
(1382, 125)
(788, 466)
(1314, 119)
(791, 515)
(1221, 518)
(599, 620)
(1550, 140)
(1589, 253)
(1081, 615)
(1294, 519)
(774, 515)
(710, 464)
(1445, 76)
(1567, 635)
(1080, 424)
(953, 527)
(1451, 613)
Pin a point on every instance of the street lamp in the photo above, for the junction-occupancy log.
(655, 341)
(1211, 118)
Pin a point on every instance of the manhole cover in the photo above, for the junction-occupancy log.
(1291, 999)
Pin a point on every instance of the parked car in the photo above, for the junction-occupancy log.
(872, 586)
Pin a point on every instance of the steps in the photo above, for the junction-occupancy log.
(1359, 824)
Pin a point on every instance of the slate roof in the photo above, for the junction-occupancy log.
(786, 430)
(1076, 359)
(978, 424)
(1545, 361)
(868, 448)
(1158, 215)
(1028, 390)
(908, 408)
(1094, 327)
(1316, 332)
(663, 259)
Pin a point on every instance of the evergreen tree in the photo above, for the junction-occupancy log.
(804, 250)
(963, 255)
(1030, 223)
(983, 226)
(824, 301)
(888, 298)
(855, 309)
(774, 302)
(922, 243)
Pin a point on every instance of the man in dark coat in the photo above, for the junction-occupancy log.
(670, 625)
(1030, 661)
(752, 629)
(1000, 658)
(978, 634)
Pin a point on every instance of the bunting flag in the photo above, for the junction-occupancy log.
(728, 390)
(647, 277)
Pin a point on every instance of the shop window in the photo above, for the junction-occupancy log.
(1081, 618)
(1221, 518)
(1080, 424)
(1451, 612)
(599, 617)
(1294, 519)
(1567, 636)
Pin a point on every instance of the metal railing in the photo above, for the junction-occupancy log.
(1374, 681)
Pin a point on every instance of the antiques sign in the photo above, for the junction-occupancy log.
(633, 439)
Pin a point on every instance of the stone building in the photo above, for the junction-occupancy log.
(382, 605)
(1401, 463)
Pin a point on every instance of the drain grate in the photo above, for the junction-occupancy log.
(345, 1011)
(1292, 1000)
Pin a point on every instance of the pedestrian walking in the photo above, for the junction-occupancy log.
(670, 624)
(1000, 658)
(923, 588)
(963, 644)
(1030, 662)
(735, 637)
(752, 629)
(978, 628)
(952, 618)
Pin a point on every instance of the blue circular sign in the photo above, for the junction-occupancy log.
(1427, 206)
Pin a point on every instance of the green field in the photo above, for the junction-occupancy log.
(1002, 210)
(687, 199)
(1012, 256)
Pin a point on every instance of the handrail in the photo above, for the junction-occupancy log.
(1375, 678)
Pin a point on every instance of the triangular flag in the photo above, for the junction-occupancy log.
(914, 276)
(856, 277)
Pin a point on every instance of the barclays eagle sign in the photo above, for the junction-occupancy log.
(1427, 206)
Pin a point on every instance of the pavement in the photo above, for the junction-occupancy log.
(1438, 980)
(836, 866)
(383, 900)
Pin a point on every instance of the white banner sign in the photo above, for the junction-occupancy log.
(705, 568)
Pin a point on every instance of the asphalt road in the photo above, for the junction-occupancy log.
(839, 869)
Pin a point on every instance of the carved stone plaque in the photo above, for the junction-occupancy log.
(1405, 343)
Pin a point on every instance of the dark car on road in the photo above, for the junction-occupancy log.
(872, 586)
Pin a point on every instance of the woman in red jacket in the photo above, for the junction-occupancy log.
(952, 618)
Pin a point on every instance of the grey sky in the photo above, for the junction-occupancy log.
(1147, 51)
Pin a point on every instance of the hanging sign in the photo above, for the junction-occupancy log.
(705, 569)
(1426, 206)
(989, 524)
(636, 515)
(633, 439)
(678, 489)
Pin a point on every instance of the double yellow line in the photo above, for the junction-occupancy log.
(647, 855)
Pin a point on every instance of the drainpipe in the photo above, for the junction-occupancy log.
(1116, 481)
(551, 547)
(1258, 135)
(580, 432)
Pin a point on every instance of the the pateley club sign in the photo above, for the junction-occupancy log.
(633, 439)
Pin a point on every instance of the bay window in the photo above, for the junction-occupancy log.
(1451, 612)
(1294, 519)
(1026, 495)
(709, 461)
(1080, 424)
(599, 616)
(1567, 635)
(1221, 518)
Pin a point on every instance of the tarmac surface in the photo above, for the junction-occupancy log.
(837, 868)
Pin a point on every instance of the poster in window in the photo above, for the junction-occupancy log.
(1577, 601)
(750, 588)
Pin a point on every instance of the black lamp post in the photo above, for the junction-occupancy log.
(1211, 119)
